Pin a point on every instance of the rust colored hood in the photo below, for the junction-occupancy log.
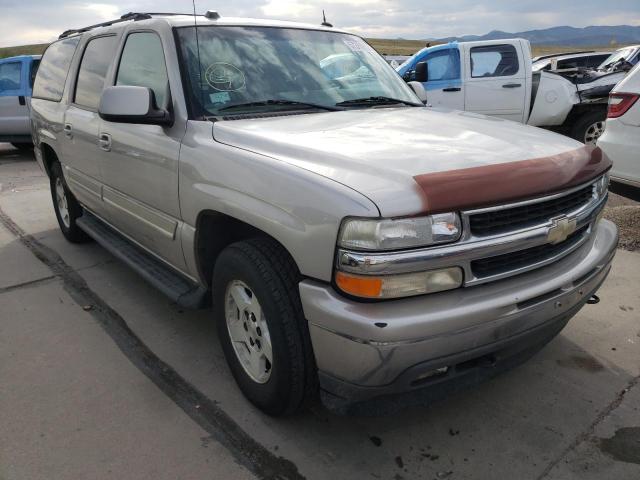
(508, 182)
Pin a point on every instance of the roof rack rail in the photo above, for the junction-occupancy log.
(135, 16)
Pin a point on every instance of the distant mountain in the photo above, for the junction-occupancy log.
(566, 36)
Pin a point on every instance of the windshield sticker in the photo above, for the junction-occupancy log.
(354, 45)
(220, 97)
(224, 77)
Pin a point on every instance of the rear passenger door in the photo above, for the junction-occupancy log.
(14, 112)
(140, 167)
(81, 149)
(495, 80)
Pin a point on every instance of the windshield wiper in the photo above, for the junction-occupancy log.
(278, 102)
(376, 101)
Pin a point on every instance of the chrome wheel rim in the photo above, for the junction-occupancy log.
(248, 331)
(61, 202)
(594, 132)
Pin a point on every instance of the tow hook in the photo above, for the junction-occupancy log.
(593, 299)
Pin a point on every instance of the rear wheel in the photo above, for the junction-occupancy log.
(589, 127)
(66, 207)
(261, 326)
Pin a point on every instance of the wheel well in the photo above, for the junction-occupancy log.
(580, 110)
(48, 157)
(214, 232)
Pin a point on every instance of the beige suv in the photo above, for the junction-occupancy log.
(353, 243)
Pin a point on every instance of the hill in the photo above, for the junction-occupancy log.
(566, 36)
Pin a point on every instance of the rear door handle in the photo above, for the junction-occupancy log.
(68, 130)
(451, 89)
(511, 85)
(105, 142)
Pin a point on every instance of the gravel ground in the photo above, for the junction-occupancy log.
(625, 213)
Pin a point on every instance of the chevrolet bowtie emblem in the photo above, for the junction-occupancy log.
(562, 227)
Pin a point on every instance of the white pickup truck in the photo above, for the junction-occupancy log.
(495, 77)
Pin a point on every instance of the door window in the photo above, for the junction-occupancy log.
(494, 61)
(93, 70)
(54, 68)
(10, 76)
(444, 65)
(142, 65)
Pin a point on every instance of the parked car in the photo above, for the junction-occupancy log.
(622, 59)
(621, 138)
(590, 60)
(16, 80)
(495, 77)
(348, 251)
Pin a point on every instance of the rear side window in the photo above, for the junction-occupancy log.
(93, 70)
(494, 61)
(10, 76)
(142, 65)
(34, 69)
(54, 68)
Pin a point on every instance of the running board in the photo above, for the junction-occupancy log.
(174, 285)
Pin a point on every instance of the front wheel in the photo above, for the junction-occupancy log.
(589, 127)
(66, 207)
(261, 326)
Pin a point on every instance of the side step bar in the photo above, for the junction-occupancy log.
(174, 285)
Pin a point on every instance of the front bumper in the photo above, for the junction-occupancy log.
(366, 350)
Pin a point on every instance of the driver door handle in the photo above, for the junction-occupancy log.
(451, 89)
(511, 85)
(105, 142)
(68, 130)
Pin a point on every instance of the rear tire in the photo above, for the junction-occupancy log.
(263, 274)
(588, 127)
(66, 207)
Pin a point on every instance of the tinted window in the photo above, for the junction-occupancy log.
(142, 65)
(34, 69)
(53, 70)
(10, 76)
(494, 61)
(93, 69)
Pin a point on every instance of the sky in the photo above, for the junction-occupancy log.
(38, 21)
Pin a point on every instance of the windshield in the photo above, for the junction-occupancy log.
(245, 69)
(624, 53)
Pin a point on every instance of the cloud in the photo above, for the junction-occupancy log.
(37, 21)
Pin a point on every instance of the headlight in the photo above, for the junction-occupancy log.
(400, 285)
(388, 234)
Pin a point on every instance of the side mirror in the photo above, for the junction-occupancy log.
(422, 72)
(419, 90)
(126, 104)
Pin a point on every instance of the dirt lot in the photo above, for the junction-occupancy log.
(625, 213)
(101, 377)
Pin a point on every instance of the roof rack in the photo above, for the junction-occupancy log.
(135, 16)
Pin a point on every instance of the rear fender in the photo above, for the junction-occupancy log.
(555, 98)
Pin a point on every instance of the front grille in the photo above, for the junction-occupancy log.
(490, 266)
(508, 219)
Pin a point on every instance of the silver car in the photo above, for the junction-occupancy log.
(353, 243)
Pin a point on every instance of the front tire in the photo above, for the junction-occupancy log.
(66, 207)
(261, 326)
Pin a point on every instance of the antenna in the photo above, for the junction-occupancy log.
(324, 21)
(195, 24)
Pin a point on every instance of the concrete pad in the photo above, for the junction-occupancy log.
(17, 263)
(72, 406)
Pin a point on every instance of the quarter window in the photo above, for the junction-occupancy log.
(54, 68)
(494, 61)
(142, 65)
(93, 70)
(10, 76)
